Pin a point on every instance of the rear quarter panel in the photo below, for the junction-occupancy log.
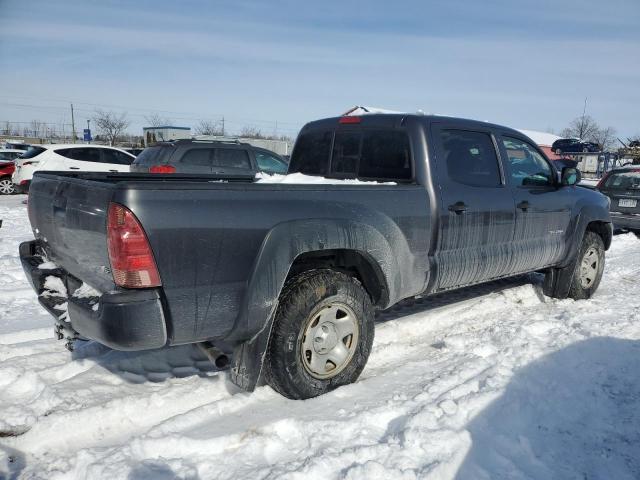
(224, 251)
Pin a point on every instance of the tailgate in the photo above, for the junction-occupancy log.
(68, 216)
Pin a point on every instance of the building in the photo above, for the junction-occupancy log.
(164, 133)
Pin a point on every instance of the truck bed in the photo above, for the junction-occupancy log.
(208, 237)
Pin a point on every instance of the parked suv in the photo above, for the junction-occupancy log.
(622, 186)
(208, 157)
(574, 145)
(85, 158)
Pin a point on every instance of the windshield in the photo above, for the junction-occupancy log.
(624, 181)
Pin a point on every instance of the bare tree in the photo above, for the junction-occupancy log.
(110, 124)
(584, 128)
(36, 127)
(251, 132)
(605, 137)
(155, 120)
(208, 127)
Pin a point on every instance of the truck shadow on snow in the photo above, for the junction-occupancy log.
(574, 413)
(149, 365)
(187, 360)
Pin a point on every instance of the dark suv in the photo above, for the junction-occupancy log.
(574, 145)
(208, 157)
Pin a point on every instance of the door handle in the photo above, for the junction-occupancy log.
(524, 205)
(74, 168)
(114, 171)
(458, 208)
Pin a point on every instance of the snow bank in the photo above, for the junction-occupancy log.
(496, 381)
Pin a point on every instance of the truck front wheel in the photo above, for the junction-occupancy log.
(322, 334)
(589, 267)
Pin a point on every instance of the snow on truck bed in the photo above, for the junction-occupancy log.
(492, 382)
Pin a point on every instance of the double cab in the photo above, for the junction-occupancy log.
(284, 279)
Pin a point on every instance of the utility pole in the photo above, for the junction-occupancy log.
(73, 127)
(89, 128)
(223, 125)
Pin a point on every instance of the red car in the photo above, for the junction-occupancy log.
(6, 185)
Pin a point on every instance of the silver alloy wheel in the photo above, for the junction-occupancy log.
(329, 341)
(6, 186)
(589, 267)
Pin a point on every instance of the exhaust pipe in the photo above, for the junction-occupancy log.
(217, 356)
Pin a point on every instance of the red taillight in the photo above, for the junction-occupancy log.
(349, 119)
(132, 262)
(162, 169)
(24, 182)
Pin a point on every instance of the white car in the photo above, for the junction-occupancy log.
(71, 157)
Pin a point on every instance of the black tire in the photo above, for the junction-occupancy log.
(301, 304)
(637, 234)
(581, 289)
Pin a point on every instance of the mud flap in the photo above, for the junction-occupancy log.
(248, 357)
(557, 281)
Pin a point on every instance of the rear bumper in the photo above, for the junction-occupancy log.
(625, 221)
(122, 320)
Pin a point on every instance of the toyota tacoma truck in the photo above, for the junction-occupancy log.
(283, 279)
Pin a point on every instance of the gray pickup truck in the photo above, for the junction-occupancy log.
(284, 279)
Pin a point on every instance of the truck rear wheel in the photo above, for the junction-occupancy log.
(322, 334)
(588, 268)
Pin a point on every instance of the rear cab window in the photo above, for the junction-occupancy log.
(366, 153)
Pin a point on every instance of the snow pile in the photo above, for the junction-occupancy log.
(301, 179)
(496, 381)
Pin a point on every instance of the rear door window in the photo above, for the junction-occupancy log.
(82, 154)
(311, 153)
(231, 158)
(471, 158)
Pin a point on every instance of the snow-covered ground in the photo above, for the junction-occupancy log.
(495, 382)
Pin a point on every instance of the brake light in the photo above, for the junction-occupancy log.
(162, 169)
(349, 119)
(24, 182)
(132, 262)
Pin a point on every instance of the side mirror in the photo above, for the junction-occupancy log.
(570, 176)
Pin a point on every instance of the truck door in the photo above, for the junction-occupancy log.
(543, 208)
(477, 211)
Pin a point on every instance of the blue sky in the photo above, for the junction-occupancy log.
(525, 64)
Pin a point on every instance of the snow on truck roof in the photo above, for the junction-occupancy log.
(540, 138)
